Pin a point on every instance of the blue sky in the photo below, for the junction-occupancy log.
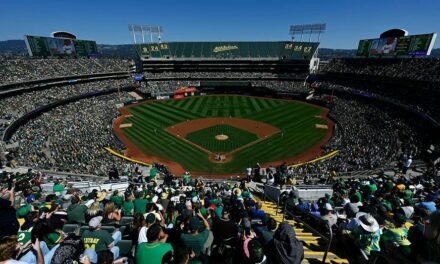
(106, 21)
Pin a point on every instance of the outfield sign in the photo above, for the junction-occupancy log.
(407, 46)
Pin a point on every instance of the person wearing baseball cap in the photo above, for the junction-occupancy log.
(198, 241)
(150, 220)
(397, 235)
(100, 240)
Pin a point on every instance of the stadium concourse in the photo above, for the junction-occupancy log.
(381, 206)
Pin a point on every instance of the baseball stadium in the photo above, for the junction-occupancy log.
(239, 151)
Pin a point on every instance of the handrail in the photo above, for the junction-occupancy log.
(329, 239)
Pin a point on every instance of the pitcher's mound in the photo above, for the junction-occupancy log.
(221, 137)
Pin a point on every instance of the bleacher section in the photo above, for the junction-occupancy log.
(314, 248)
(263, 50)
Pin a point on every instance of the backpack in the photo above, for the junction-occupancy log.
(68, 251)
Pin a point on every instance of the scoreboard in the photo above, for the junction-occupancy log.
(407, 46)
(60, 47)
(85, 47)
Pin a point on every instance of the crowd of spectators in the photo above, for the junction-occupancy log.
(14, 70)
(420, 99)
(187, 221)
(386, 219)
(367, 136)
(284, 86)
(421, 69)
(167, 87)
(244, 75)
(13, 107)
(72, 137)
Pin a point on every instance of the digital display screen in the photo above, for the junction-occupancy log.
(60, 47)
(416, 45)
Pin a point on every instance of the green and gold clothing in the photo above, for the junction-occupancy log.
(99, 240)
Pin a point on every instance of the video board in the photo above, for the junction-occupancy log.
(407, 46)
(60, 47)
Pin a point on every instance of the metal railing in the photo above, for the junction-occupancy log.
(328, 238)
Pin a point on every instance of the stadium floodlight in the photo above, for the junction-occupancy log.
(309, 29)
(143, 30)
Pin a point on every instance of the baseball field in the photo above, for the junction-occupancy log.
(221, 134)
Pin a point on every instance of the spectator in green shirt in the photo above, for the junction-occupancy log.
(155, 251)
(186, 178)
(58, 187)
(76, 212)
(198, 241)
(396, 237)
(367, 234)
(100, 240)
(153, 173)
(128, 205)
(116, 198)
(140, 203)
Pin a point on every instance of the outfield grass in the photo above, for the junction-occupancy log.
(296, 120)
(206, 138)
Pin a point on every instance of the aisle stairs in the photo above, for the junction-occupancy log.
(314, 246)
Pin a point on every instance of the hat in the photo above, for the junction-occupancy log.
(89, 203)
(194, 223)
(408, 211)
(351, 209)
(367, 222)
(195, 199)
(43, 209)
(328, 207)
(67, 197)
(23, 211)
(95, 221)
(237, 192)
(253, 250)
(30, 198)
(54, 237)
(150, 218)
(100, 196)
(155, 198)
(203, 211)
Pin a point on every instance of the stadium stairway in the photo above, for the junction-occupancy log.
(314, 249)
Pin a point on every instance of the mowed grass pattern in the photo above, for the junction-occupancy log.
(295, 119)
(206, 138)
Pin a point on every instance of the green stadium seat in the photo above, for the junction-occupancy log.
(82, 229)
(125, 247)
(122, 229)
(70, 228)
(109, 229)
(126, 220)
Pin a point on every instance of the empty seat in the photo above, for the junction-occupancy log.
(126, 220)
(125, 247)
(70, 228)
(109, 229)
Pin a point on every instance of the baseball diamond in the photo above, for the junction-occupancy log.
(182, 133)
